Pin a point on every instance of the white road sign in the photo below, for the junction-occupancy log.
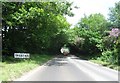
(21, 55)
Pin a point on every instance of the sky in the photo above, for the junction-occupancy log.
(88, 7)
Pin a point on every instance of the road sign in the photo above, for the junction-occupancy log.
(21, 55)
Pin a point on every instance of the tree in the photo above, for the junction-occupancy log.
(94, 22)
(89, 32)
(114, 15)
(31, 27)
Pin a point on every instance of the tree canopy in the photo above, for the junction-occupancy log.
(114, 15)
(41, 27)
(33, 27)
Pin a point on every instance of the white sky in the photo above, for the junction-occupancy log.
(88, 7)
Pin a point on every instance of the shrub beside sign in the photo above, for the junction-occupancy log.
(21, 55)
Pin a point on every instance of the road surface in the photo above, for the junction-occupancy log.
(70, 69)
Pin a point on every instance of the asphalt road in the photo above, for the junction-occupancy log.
(70, 69)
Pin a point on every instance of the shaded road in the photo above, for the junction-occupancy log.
(70, 69)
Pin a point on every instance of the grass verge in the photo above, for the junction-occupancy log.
(14, 69)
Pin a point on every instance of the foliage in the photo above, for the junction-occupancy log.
(94, 22)
(33, 27)
(42, 28)
(114, 15)
(110, 50)
(89, 32)
(92, 35)
(89, 40)
(114, 18)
